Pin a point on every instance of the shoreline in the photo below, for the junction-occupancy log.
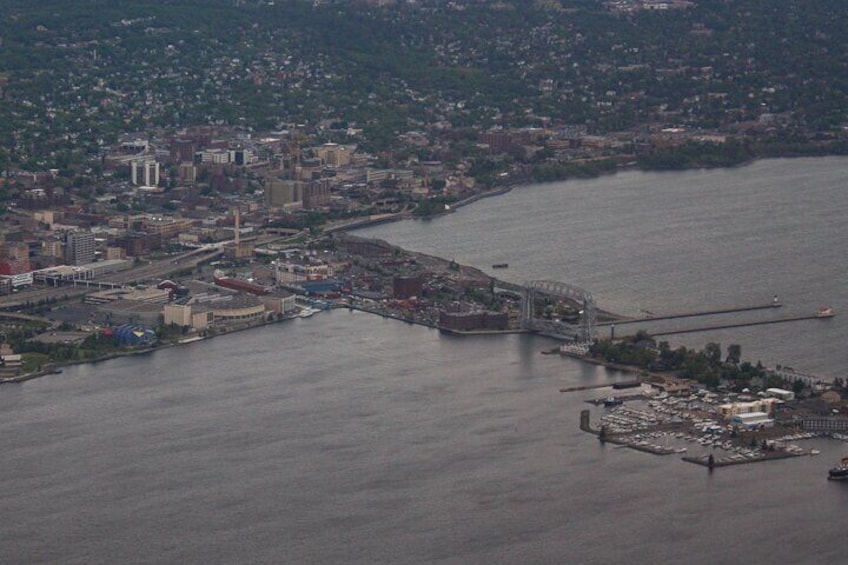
(55, 367)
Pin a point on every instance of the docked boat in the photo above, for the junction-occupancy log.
(307, 311)
(825, 312)
(840, 472)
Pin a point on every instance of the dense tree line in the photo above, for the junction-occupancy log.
(545, 172)
(708, 366)
(78, 73)
(696, 154)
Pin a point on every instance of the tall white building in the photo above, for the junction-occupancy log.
(144, 172)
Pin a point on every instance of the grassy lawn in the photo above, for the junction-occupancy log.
(32, 361)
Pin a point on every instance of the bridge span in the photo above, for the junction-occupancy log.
(533, 293)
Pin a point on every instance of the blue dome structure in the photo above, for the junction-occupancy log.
(129, 335)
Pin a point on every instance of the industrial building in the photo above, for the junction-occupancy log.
(147, 295)
(11, 363)
(780, 393)
(69, 274)
(752, 421)
(407, 287)
(825, 424)
(474, 321)
(132, 312)
(280, 302)
(198, 316)
(242, 286)
(764, 405)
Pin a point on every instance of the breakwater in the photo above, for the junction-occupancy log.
(738, 325)
(704, 460)
(693, 314)
(480, 196)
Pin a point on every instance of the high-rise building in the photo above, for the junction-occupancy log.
(188, 173)
(284, 193)
(241, 157)
(316, 194)
(144, 172)
(335, 155)
(79, 248)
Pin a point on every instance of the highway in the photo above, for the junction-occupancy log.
(156, 270)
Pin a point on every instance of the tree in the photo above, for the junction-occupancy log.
(713, 353)
(734, 353)
(641, 335)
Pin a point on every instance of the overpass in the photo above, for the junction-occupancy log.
(532, 292)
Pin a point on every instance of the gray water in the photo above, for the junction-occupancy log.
(347, 438)
(673, 242)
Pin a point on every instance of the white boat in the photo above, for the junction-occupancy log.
(192, 339)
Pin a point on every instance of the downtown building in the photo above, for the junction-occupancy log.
(144, 172)
(79, 248)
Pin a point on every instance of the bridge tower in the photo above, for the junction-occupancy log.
(589, 319)
(587, 329)
(526, 307)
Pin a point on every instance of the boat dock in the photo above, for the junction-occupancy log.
(586, 387)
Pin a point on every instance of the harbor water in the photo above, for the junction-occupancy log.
(349, 438)
(654, 243)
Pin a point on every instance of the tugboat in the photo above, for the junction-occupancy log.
(825, 312)
(840, 472)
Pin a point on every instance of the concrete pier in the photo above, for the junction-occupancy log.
(672, 316)
(737, 325)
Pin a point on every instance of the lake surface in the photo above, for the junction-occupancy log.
(348, 438)
(672, 242)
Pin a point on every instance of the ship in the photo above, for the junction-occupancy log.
(825, 312)
(500, 265)
(840, 472)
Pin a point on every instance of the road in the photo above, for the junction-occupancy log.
(156, 270)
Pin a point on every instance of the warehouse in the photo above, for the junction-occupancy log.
(752, 421)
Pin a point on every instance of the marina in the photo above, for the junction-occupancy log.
(662, 424)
